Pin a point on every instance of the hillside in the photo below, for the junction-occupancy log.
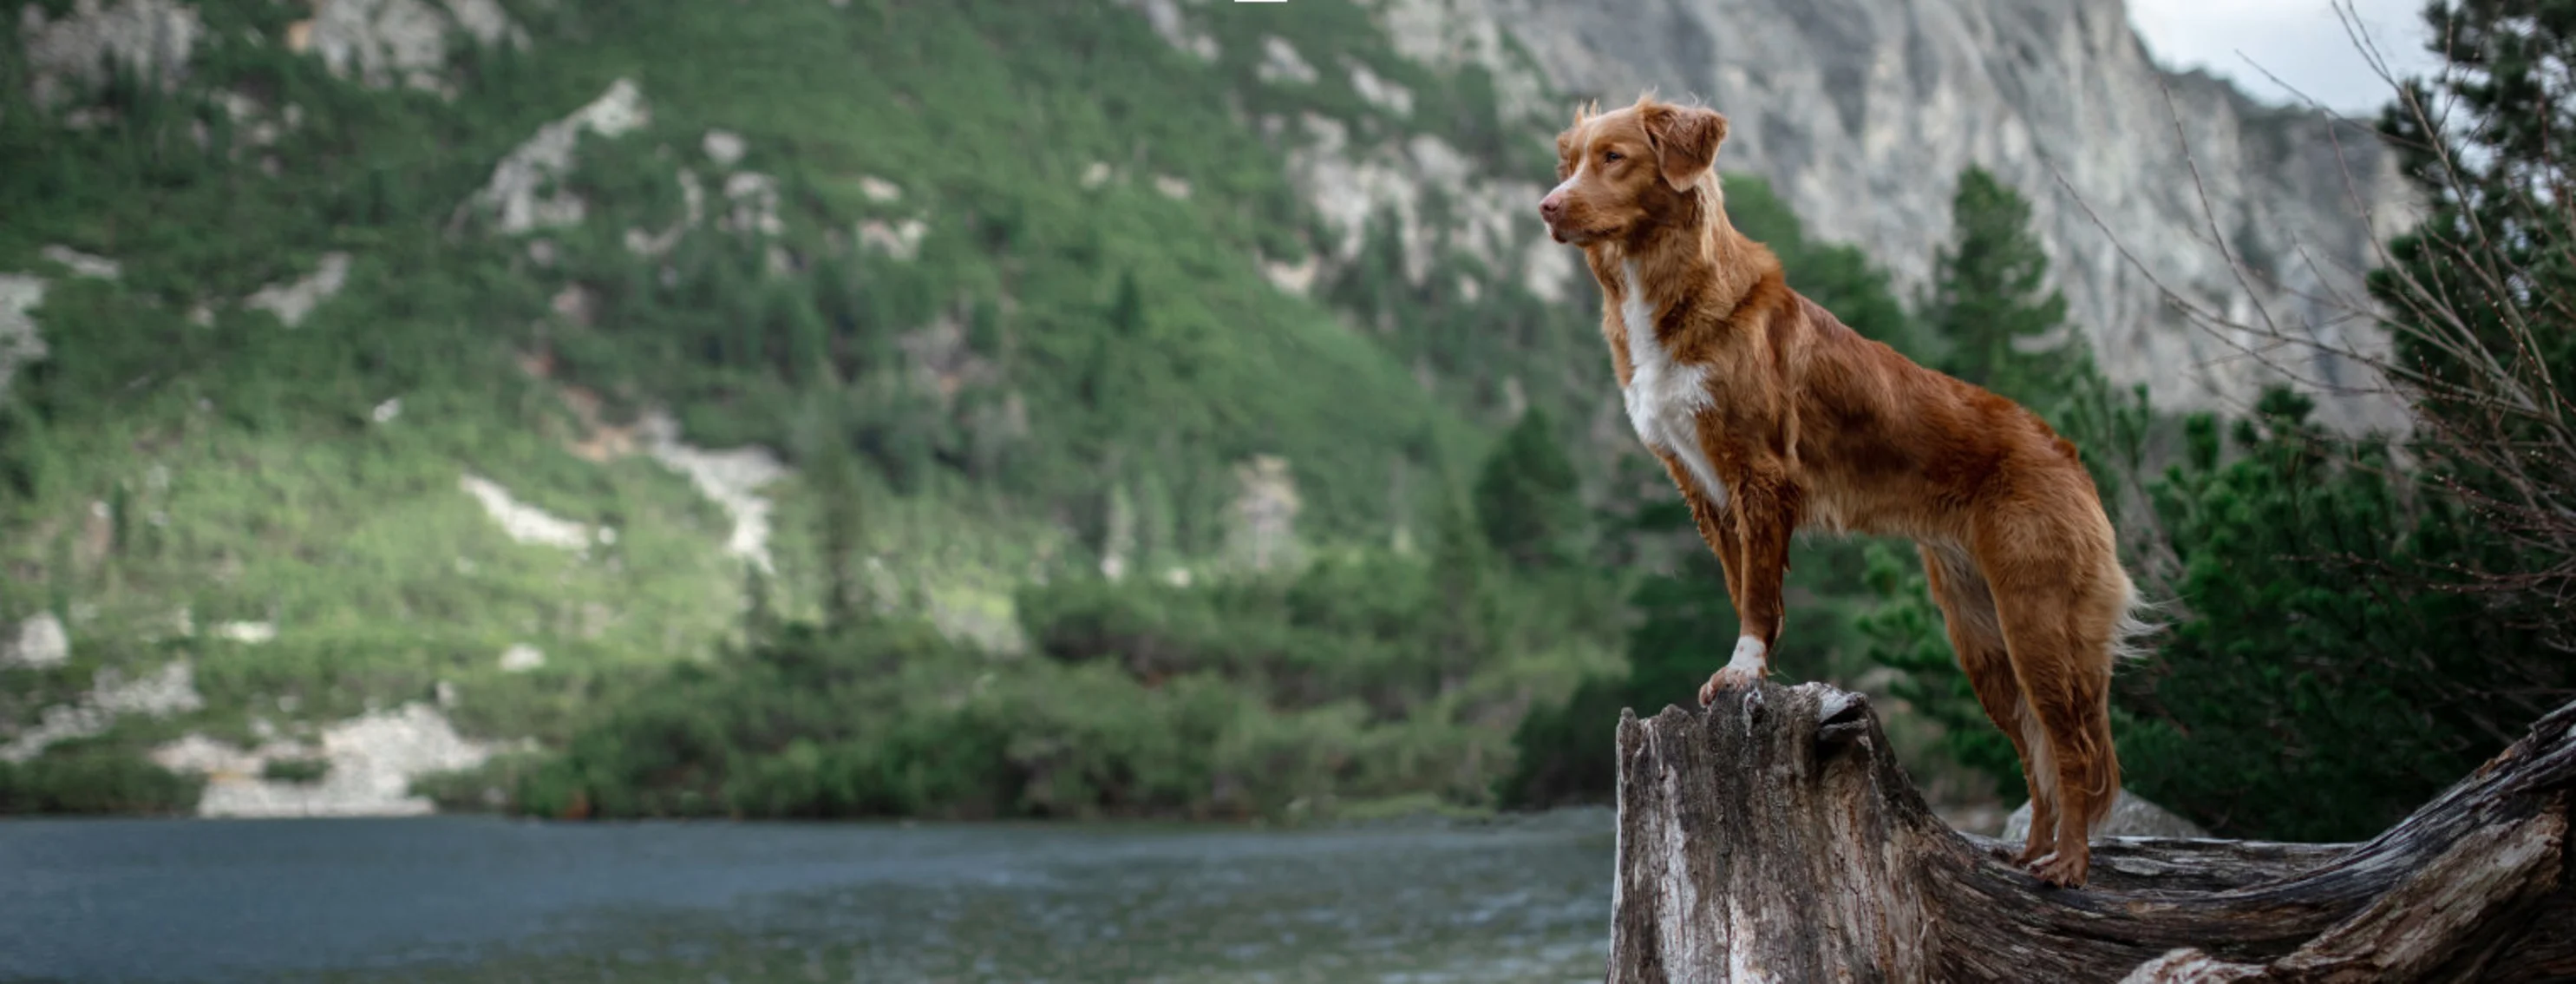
(470, 370)
(391, 384)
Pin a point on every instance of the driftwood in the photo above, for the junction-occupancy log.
(1773, 837)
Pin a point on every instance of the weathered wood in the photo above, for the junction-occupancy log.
(1773, 837)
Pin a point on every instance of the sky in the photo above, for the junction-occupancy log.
(2302, 42)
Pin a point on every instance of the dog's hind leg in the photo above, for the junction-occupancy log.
(2058, 628)
(1977, 637)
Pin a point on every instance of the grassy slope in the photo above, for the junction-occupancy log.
(247, 483)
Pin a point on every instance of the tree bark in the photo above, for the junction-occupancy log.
(1772, 837)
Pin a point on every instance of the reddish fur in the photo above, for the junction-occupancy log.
(1809, 425)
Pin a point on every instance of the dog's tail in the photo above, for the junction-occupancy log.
(2138, 622)
(2133, 628)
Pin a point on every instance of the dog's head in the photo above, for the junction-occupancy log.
(1621, 172)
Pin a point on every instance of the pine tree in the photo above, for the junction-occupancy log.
(1990, 295)
(832, 466)
(1529, 499)
(1462, 580)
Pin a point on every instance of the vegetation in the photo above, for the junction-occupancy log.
(1990, 302)
(301, 771)
(1372, 674)
(1365, 676)
(91, 778)
(1056, 365)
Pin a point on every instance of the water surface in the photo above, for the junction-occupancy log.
(487, 899)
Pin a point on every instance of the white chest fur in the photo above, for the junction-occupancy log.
(1664, 397)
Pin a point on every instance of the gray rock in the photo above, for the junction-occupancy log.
(20, 343)
(2131, 816)
(71, 54)
(41, 644)
(517, 196)
(388, 42)
(292, 300)
(83, 264)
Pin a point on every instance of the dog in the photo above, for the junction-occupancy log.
(1773, 417)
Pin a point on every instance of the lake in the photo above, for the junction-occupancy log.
(493, 899)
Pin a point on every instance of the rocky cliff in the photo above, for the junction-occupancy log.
(1862, 112)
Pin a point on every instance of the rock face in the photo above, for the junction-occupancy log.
(1862, 112)
(20, 343)
(148, 38)
(371, 762)
(382, 42)
(517, 194)
(172, 690)
(293, 300)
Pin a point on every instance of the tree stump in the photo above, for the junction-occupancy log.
(1773, 837)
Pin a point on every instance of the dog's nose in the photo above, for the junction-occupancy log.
(1549, 206)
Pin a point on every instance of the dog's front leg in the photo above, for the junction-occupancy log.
(1764, 506)
(1716, 525)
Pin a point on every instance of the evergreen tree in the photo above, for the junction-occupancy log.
(1529, 499)
(1127, 310)
(1462, 583)
(1683, 623)
(2483, 289)
(831, 462)
(1990, 295)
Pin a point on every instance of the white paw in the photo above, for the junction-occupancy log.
(1748, 657)
(1743, 670)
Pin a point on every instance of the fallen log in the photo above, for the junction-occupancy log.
(1773, 837)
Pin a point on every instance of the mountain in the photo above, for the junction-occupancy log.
(391, 382)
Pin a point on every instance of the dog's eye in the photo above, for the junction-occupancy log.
(1611, 156)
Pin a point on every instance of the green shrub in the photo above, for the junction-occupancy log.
(94, 779)
(301, 771)
(2319, 688)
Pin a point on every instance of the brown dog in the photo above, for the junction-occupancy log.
(1772, 416)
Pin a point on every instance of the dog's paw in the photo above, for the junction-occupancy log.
(1721, 682)
(2031, 852)
(2063, 869)
(1743, 670)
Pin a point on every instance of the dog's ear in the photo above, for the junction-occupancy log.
(1685, 139)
